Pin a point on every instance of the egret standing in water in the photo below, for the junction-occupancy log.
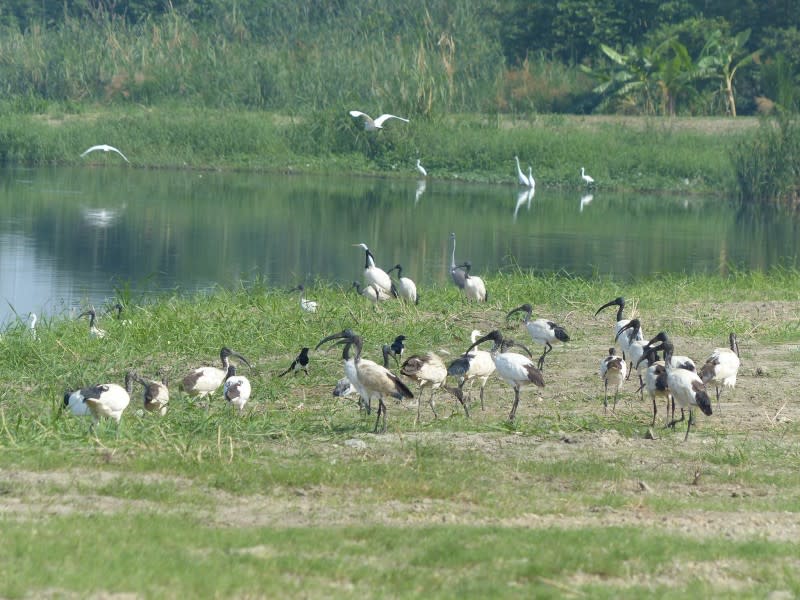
(587, 179)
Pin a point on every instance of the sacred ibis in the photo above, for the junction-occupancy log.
(541, 331)
(206, 380)
(104, 148)
(350, 372)
(374, 276)
(372, 293)
(106, 400)
(406, 288)
(474, 364)
(429, 371)
(155, 395)
(300, 363)
(94, 331)
(119, 308)
(236, 389)
(474, 288)
(624, 341)
(686, 387)
(376, 381)
(722, 366)
(307, 305)
(655, 382)
(613, 370)
(635, 348)
(515, 369)
(677, 362)
(371, 124)
(458, 275)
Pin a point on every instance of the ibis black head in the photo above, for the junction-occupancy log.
(612, 351)
(466, 265)
(618, 301)
(633, 324)
(526, 308)
(67, 394)
(231, 371)
(347, 334)
(703, 402)
(90, 313)
(734, 343)
(661, 336)
(225, 353)
(493, 335)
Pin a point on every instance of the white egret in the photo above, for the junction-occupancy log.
(421, 169)
(104, 148)
(587, 179)
(371, 124)
(521, 177)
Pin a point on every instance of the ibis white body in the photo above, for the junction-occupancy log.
(722, 367)
(236, 389)
(613, 371)
(429, 371)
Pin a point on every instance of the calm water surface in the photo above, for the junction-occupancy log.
(73, 236)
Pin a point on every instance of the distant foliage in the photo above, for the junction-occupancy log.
(767, 165)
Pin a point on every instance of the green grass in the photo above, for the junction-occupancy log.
(663, 155)
(204, 503)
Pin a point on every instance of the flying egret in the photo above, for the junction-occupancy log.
(587, 178)
(371, 124)
(104, 148)
(421, 169)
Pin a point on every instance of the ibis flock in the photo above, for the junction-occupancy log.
(670, 379)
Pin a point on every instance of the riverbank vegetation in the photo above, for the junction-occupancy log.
(268, 85)
(296, 497)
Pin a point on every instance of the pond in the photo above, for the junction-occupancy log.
(74, 236)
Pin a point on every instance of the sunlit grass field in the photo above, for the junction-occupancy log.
(298, 498)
